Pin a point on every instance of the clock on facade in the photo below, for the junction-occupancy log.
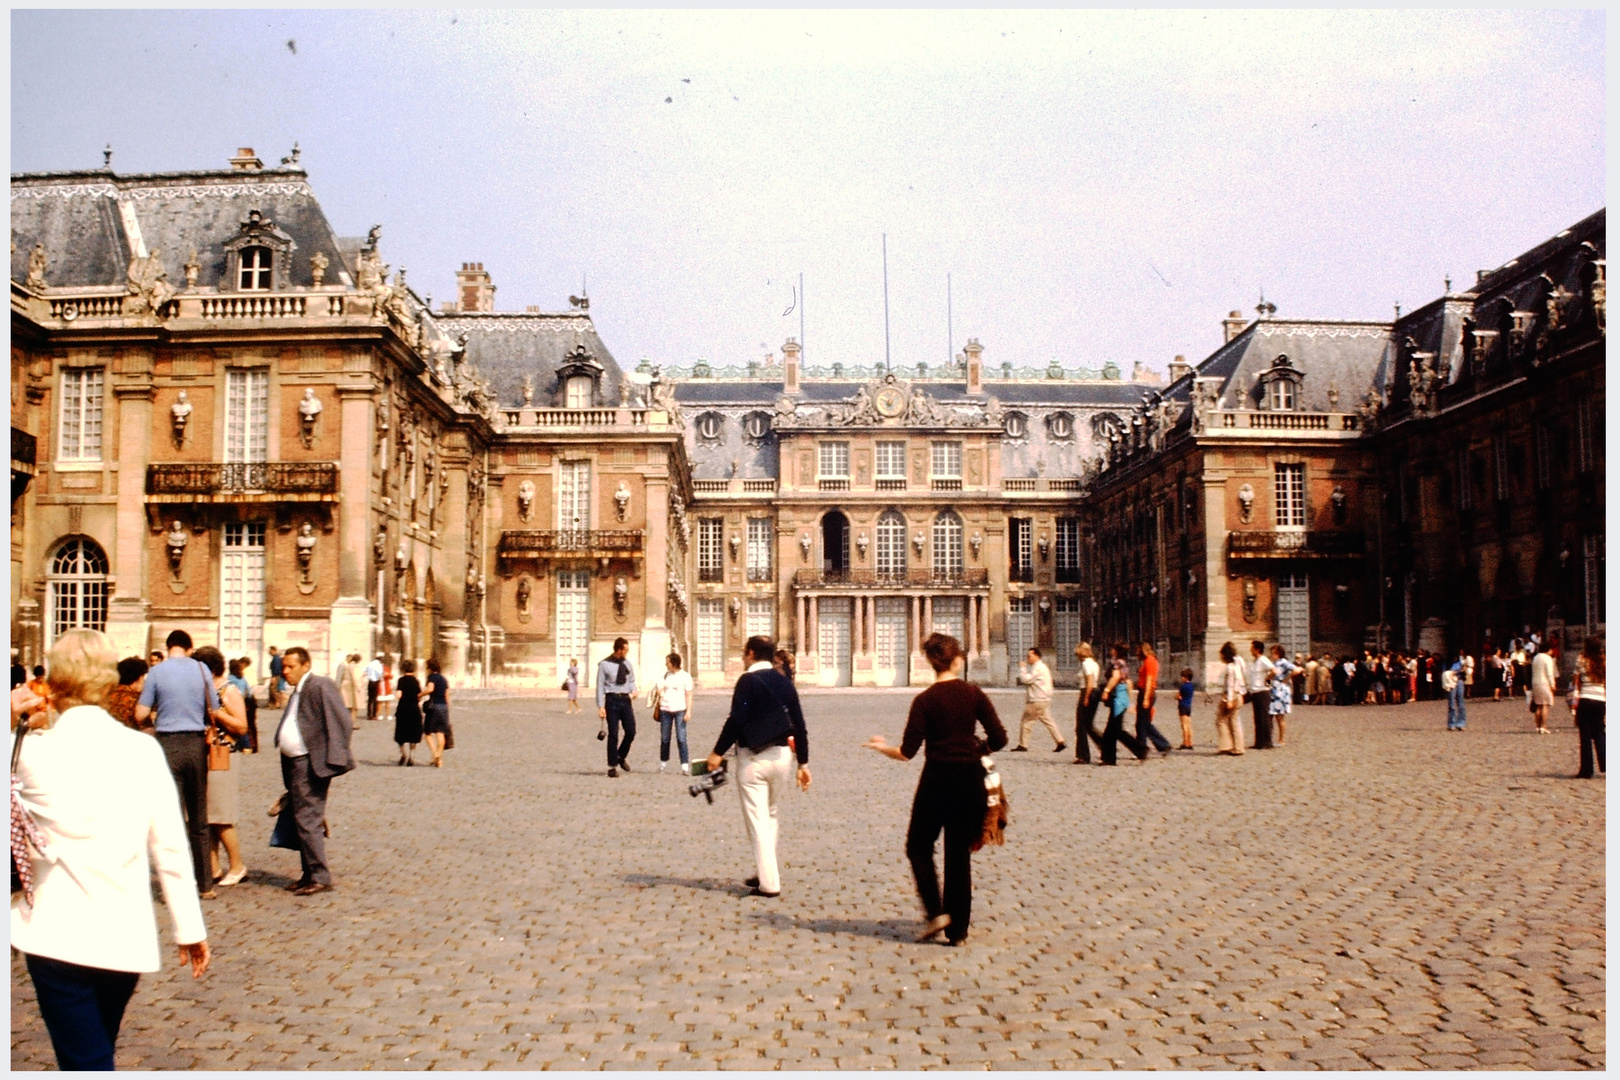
(890, 401)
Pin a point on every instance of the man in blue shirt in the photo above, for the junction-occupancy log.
(278, 685)
(615, 694)
(180, 691)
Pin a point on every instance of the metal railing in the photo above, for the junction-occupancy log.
(1295, 543)
(530, 542)
(972, 577)
(227, 477)
(24, 447)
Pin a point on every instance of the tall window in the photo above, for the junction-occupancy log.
(1282, 395)
(1068, 549)
(761, 618)
(247, 415)
(1543, 455)
(241, 589)
(577, 394)
(891, 465)
(891, 544)
(1593, 564)
(1500, 447)
(1586, 435)
(81, 414)
(1066, 630)
(254, 275)
(1021, 545)
(1465, 481)
(574, 498)
(78, 587)
(1290, 491)
(759, 549)
(835, 460)
(947, 544)
(711, 562)
(948, 459)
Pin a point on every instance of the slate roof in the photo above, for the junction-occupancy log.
(78, 217)
(1345, 355)
(506, 346)
(1105, 393)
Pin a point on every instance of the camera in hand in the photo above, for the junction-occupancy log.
(707, 783)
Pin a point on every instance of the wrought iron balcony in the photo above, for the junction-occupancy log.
(229, 480)
(973, 577)
(24, 448)
(569, 543)
(1021, 573)
(1296, 544)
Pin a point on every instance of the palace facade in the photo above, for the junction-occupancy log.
(228, 418)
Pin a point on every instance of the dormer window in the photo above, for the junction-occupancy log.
(756, 425)
(1279, 385)
(1061, 425)
(1282, 395)
(578, 392)
(254, 274)
(708, 426)
(1016, 425)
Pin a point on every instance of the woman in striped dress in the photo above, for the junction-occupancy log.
(1589, 706)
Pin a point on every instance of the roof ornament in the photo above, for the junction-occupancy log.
(292, 159)
(106, 157)
(148, 284)
(36, 268)
(1265, 309)
(372, 238)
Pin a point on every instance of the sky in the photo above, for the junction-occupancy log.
(1099, 186)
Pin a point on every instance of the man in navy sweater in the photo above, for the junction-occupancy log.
(765, 714)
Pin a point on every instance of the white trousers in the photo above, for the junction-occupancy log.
(762, 779)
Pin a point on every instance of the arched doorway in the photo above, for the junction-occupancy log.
(76, 588)
(835, 543)
(891, 545)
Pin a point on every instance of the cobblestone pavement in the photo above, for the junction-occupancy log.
(1379, 892)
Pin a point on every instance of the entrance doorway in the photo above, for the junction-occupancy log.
(574, 621)
(833, 637)
(835, 543)
(1020, 631)
(892, 623)
(1294, 613)
(711, 638)
(241, 591)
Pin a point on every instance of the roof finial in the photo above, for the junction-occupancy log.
(106, 157)
(1397, 309)
(292, 158)
(1448, 283)
(1266, 310)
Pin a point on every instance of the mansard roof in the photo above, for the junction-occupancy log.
(507, 346)
(1331, 355)
(87, 221)
(1102, 393)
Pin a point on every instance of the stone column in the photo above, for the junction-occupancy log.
(927, 616)
(815, 626)
(655, 637)
(799, 605)
(351, 612)
(129, 614)
(451, 517)
(1217, 627)
(972, 643)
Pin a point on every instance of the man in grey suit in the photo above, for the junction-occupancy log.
(313, 738)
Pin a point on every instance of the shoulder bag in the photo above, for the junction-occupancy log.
(996, 808)
(219, 750)
(784, 720)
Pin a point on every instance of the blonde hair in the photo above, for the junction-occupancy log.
(83, 667)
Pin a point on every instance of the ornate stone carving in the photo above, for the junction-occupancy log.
(379, 545)
(149, 286)
(621, 596)
(309, 413)
(36, 268)
(1246, 503)
(179, 418)
(621, 500)
(317, 269)
(305, 545)
(1206, 398)
(525, 500)
(523, 593)
(193, 268)
(528, 390)
(1598, 292)
(175, 544)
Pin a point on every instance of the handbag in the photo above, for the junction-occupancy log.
(24, 832)
(219, 751)
(997, 811)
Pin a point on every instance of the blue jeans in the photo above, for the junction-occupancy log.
(1456, 710)
(82, 1008)
(667, 720)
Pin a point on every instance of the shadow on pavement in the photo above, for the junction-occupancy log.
(886, 929)
(735, 888)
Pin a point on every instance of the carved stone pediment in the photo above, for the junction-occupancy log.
(886, 401)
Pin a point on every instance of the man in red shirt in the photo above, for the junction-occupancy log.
(1147, 684)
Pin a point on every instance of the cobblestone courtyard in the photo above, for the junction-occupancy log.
(1379, 892)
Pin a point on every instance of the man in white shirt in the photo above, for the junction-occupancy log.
(313, 737)
(1085, 710)
(1259, 686)
(374, 678)
(1037, 680)
(673, 694)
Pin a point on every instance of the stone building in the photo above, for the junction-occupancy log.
(851, 511)
(1490, 453)
(226, 418)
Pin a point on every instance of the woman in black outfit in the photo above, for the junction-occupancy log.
(950, 792)
(436, 716)
(408, 714)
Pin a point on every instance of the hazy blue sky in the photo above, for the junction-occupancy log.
(1100, 186)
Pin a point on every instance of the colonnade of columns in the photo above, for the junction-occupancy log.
(863, 634)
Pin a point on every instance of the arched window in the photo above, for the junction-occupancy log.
(891, 544)
(77, 585)
(254, 270)
(578, 392)
(947, 544)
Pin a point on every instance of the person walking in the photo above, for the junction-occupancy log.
(374, 680)
(1282, 692)
(571, 684)
(106, 817)
(278, 685)
(1451, 685)
(671, 703)
(1117, 692)
(1543, 685)
(340, 675)
(249, 743)
(180, 693)
(224, 799)
(1085, 708)
(617, 705)
(408, 714)
(1589, 706)
(945, 719)
(1258, 680)
(1147, 688)
(783, 662)
(766, 725)
(1037, 680)
(1468, 675)
(435, 712)
(1184, 707)
(1228, 717)
(314, 738)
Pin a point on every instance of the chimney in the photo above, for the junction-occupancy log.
(1233, 325)
(790, 366)
(975, 366)
(245, 159)
(1141, 373)
(474, 289)
(1179, 368)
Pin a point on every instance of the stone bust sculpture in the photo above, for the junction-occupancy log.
(179, 417)
(309, 411)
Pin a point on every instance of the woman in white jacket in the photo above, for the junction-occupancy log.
(102, 799)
